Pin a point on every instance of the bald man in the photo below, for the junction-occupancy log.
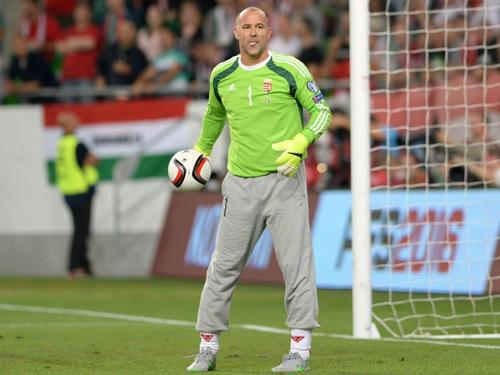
(76, 178)
(261, 95)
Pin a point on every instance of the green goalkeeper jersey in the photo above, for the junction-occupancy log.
(263, 105)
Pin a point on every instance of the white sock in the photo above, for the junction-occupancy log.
(300, 342)
(209, 340)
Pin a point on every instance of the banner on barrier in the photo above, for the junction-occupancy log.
(437, 241)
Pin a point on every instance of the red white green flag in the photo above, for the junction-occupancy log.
(151, 129)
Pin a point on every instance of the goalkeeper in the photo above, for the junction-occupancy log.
(261, 95)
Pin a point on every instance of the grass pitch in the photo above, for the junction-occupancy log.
(59, 342)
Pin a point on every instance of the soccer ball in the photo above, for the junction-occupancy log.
(189, 170)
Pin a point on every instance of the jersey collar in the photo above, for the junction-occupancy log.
(256, 66)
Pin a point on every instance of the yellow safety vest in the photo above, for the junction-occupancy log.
(71, 178)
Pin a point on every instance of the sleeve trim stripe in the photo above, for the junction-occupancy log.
(300, 65)
(320, 123)
(226, 63)
(326, 122)
(295, 64)
(300, 69)
(320, 127)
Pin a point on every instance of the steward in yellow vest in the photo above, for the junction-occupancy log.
(74, 177)
(77, 177)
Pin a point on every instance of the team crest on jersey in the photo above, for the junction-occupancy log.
(312, 86)
(268, 86)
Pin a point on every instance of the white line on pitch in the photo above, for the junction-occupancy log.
(390, 339)
(61, 324)
(94, 314)
(252, 327)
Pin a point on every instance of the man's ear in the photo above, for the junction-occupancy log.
(269, 33)
(235, 34)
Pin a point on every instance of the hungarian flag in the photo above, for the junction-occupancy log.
(142, 134)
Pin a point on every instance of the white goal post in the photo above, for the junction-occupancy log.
(360, 175)
(425, 168)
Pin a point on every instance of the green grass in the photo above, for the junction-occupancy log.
(41, 343)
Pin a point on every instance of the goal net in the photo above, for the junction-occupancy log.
(435, 167)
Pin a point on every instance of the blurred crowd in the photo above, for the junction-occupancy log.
(147, 46)
(435, 72)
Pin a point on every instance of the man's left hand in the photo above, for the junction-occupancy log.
(293, 151)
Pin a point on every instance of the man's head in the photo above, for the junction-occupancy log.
(253, 32)
(115, 6)
(167, 38)
(82, 14)
(30, 9)
(68, 121)
(125, 34)
(154, 17)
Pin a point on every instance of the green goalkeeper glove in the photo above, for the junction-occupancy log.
(294, 151)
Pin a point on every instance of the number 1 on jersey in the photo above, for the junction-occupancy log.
(249, 96)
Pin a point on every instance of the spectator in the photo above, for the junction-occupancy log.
(455, 39)
(191, 26)
(191, 35)
(205, 56)
(80, 47)
(336, 64)
(392, 163)
(99, 10)
(485, 32)
(310, 10)
(122, 62)
(378, 18)
(488, 170)
(136, 10)
(59, 8)
(405, 171)
(148, 37)
(396, 54)
(168, 70)
(385, 138)
(40, 30)
(467, 140)
(77, 178)
(62, 10)
(310, 53)
(313, 169)
(28, 72)
(218, 25)
(335, 152)
(467, 137)
(116, 11)
(284, 39)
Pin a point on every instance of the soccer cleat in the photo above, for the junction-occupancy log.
(292, 362)
(205, 361)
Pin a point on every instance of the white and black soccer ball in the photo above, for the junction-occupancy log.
(189, 170)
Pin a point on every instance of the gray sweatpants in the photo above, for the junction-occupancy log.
(251, 204)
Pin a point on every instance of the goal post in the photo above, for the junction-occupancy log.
(360, 172)
(425, 168)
